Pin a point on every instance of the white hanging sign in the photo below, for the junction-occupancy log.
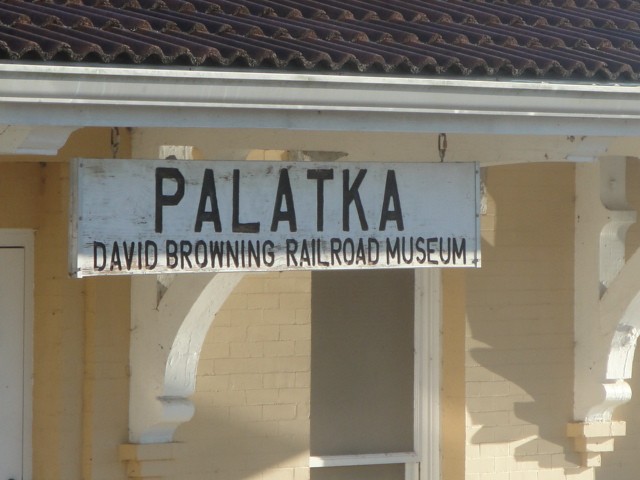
(171, 216)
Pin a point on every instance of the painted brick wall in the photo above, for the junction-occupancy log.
(253, 386)
(80, 392)
(519, 336)
(58, 350)
(106, 376)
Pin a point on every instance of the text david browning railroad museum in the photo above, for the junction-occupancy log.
(136, 216)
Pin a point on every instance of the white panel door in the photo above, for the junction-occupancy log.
(12, 388)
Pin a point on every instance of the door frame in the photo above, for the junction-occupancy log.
(24, 239)
(423, 463)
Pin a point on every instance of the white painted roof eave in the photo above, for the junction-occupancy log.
(77, 96)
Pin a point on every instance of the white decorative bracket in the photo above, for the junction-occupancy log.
(593, 439)
(170, 317)
(167, 333)
(606, 305)
(29, 140)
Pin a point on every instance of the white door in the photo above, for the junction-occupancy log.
(13, 418)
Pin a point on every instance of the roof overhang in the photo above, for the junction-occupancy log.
(78, 96)
(40, 105)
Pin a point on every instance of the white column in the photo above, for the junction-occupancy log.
(604, 292)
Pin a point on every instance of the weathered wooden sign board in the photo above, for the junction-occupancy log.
(170, 216)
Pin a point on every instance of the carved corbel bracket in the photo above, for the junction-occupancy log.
(605, 306)
(593, 439)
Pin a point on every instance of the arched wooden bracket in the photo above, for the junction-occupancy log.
(607, 306)
(170, 320)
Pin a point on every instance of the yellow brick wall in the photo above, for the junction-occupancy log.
(106, 376)
(80, 392)
(253, 386)
(21, 189)
(453, 374)
(105, 410)
(58, 340)
(519, 338)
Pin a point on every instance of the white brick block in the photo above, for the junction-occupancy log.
(280, 348)
(279, 380)
(279, 474)
(293, 364)
(263, 301)
(295, 300)
(303, 315)
(524, 475)
(236, 301)
(247, 381)
(294, 395)
(222, 319)
(302, 473)
(262, 397)
(245, 413)
(494, 476)
(281, 316)
(213, 383)
(291, 285)
(244, 318)
(480, 465)
(251, 283)
(303, 380)
(215, 350)
(597, 444)
(302, 348)
(279, 412)
(246, 350)
(581, 474)
(229, 398)
(295, 332)
(549, 474)
(263, 333)
(591, 459)
(493, 450)
(569, 460)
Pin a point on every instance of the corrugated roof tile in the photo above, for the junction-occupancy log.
(577, 39)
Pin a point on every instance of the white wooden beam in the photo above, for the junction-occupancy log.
(76, 95)
(602, 219)
(33, 140)
(375, 147)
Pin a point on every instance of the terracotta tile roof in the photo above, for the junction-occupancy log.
(583, 40)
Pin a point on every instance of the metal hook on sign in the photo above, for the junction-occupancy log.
(442, 146)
